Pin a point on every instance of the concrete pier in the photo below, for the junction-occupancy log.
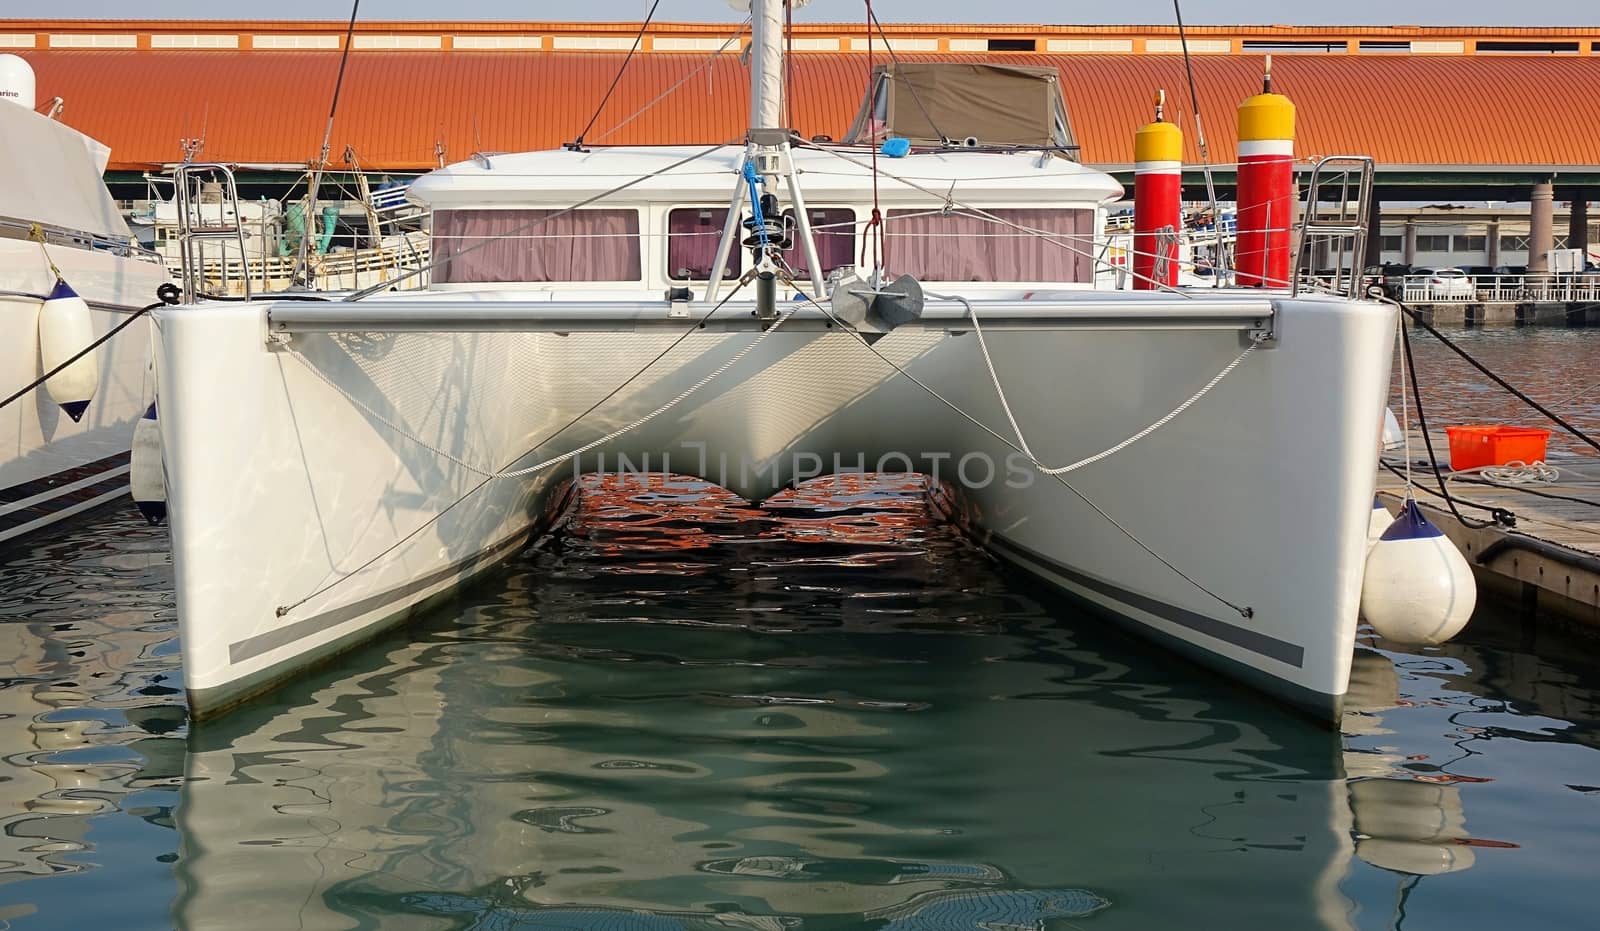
(1509, 313)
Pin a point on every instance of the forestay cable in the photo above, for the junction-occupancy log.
(1005, 405)
(1244, 611)
(571, 454)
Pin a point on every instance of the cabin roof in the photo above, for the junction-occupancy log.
(562, 177)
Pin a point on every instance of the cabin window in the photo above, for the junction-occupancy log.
(1055, 245)
(536, 245)
(693, 234)
(834, 230)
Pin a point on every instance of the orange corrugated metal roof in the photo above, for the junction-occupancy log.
(850, 27)
(270, 107)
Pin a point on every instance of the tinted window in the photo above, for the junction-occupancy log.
(692, 237)
(536, 245)
(1003, 244)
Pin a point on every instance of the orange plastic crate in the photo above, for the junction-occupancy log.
(1471, 447)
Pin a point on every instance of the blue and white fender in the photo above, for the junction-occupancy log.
(145, 477)
(1418, 588)
(65, 328)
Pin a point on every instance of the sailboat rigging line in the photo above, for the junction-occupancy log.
(621, 70)
(788, 61)
(732, 38)
(1005, 405)
(571, 454)
(1244, 611)
(1410, 371)
(694, 326)
(949, 198)
(538, 221)
(304, 257)
(1502, 516)
(1200, 137)
(910, 85)
(1405, 416)
(1451, 345)
(874, 228)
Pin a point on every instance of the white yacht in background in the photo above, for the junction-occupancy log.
(55, 208)
(1196, 465)
(355, 243)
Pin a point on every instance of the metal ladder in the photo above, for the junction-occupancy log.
(1339, 233)
(208, 211)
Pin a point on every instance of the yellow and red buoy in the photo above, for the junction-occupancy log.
(1266, 188)
(1157, 202)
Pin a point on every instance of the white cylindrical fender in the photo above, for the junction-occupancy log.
(1410, 827)
(146, 479)
(1418, 588)
(1377, 523)
(65, 328)
(1393, 436)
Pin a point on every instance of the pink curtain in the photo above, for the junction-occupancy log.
(583, 245)
(834, 229)
(692, 237)
(967, 247)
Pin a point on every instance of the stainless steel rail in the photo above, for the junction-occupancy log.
(454, 316)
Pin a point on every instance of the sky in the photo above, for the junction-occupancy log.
(1139, 12)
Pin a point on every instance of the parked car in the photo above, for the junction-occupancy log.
(1443, 284)
(1391, 277)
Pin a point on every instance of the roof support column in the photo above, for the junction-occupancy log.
(1542, 227)
(1409, 256)
(1492, 243)
(1578, 222)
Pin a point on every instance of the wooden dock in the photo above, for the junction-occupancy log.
(1550, 557)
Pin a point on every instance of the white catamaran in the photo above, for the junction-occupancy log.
(1198, 465)
(69, 274)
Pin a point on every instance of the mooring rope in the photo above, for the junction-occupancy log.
(21, 392)
(1005, 405)
(570, 454)
(1244, 611)
(488, 476)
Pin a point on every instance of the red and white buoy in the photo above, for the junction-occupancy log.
(1157, 201)
(1261, 254)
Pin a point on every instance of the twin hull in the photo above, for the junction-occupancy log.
(311, 502)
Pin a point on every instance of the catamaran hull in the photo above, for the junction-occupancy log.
(324, 488)
(52, 468)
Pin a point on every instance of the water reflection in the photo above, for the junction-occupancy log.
(1555, 366)
(93, 744)
(693, 714)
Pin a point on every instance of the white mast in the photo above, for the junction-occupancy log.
(767, 148)
(766, 63)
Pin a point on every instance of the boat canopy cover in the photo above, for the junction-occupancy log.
(931, 103)
(51, 174)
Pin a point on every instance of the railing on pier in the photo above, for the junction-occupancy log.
(1507, 289)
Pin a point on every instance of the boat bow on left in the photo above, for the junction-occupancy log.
(59, 223)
